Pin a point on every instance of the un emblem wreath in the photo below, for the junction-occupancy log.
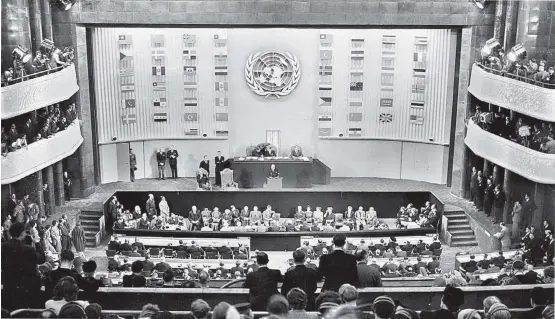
(272, 73)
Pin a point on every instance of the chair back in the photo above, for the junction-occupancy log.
(110, 253)
(196, 255)
(154, 252)
(338, 218)
(227, 255)
(182, 254)
(142, 252)
(227, 177)
(126, 253)
(168, 252)
(211, 255)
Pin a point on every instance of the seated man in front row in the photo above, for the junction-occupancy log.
(273, 173)
(300, 215)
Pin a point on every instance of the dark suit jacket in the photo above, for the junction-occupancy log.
(262, 285)
(161, 158)
(219, 163)
(533, 313)
(338, 268)
(113, 210)
(56, 275)
(368, 276)
(19, 265)
(205, 165)
(172, 161)
(274, 173)
(134, 281)
(301, 277)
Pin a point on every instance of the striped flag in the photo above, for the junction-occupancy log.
(324, 86)
(125, 39)
(356, 86)
(355, 117)
(357, 54)
(220, 86)
(190, 101)
(324, 101)
(190, 85)
(221, 117)
(324, 131)
(419, 57)
(129, 119)
(158, 54)
(190, 70)
(158, 70)
(127, 72)
(220, 70)
(189, 40)
(324, 118)
(190, 117)
(127, 87)
(386, 118)
(222, 133)
(220, 51)
(421, 40)
(191, 131)
(190, 54)
(124, 57)
(415, 119)
(159, 86)
(221, 101)
(160, 102)
(355, 131)
(326, 54)
(417, 104)
(160, 117)
(326, 39)
(384, 102)
(355, 103)
(419, 73)
(129, 103)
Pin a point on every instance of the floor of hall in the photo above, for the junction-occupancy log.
(278, 259)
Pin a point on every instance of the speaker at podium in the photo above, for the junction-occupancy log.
(274, 183)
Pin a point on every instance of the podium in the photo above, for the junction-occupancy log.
(274, 183)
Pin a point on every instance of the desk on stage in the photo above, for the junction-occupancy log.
(252, 173)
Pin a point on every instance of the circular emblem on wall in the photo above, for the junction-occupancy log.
(272, 73)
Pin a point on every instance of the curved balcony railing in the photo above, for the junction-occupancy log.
(38, 155)
(524, 161)
(38, 90)
(490, 86)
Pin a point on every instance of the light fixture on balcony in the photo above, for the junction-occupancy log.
(21, 54)
(46, 46)
(517, 53)
(64, 4)
(481, 4)
(492, 46)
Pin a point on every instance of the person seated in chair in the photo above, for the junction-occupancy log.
(173, 220)
(309, 215)
(238, 227)
(138, 244)
(216, 218)
(305, 227)
(273, 172)
(318, 216)
(206, 215)
(255, 216)
(227, 216)
(349, 216)
(245, 216)
(274, 227)
(267, 215)
(289, 227)
(226, 226)
(360, 218)
(206, 227)
(120, 223)
(299, 215)
(195, 217)
(203, 180)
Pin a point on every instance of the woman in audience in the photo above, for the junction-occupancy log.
(469, 314)
(164, 209)
(66, 290)
(498, 311)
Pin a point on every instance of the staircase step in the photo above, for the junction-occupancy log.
(461, 232)
(464, 243)
(89, 222)
(456, 216)
(91, 228)
(89, 218)
(463, 238)
(453, 212)
(458, 221)
(459, 227)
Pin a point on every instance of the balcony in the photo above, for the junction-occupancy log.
(524, 161)
(38, 91)
(522, 97)
(26, 161)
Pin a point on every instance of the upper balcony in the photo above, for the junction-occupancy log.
(533, 165)
(38, 90)
(533, 100)
(38, 155)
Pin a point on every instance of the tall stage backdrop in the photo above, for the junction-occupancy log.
(382, 97)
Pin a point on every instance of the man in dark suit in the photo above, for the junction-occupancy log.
(20, 279)
(301, 277)
(219, 161)
(12, 204)
(473, 181)
(436, 244)
(368, 276)
(433, 265)
(262, 283)
(205, 163)
(538, 299)
(172, 160)
(66, 269)
(132, 164)
(112, 213)
(488, 197)
(273, 172)
(338, 268)
(452, 300)
(151, 206)
(161, 159)
(136, 279)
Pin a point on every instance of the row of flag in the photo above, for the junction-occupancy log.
(159, 87)
(221, 86)
(356, 87)
(190, 84)
(325, 85)
(418, 91)
(127, 79)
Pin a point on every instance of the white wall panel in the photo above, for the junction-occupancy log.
(108, 163)
(424, 162)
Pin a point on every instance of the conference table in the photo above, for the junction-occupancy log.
(251, 172)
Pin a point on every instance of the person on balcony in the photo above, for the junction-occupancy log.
(542, 75)
(55, 59)
(62, 123)
(39, 62)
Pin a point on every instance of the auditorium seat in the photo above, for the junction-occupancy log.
(142, 253)
(168, 253)
(211, 255)
(196, 255)
(227, 255)
(110, 253)
(154, 252)
(181, 254)
(126, 253)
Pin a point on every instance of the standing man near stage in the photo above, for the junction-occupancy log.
(205, 163)
(338, 267)
(151, 206)
(172, 160)
(132, 164)
(161, 159)
(219, 161)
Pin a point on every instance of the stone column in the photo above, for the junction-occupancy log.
(539, 198)
(46, 20)
(15, 29)
(496, 175)
(49, 172)
(39, 197)
(499, 23)
(486, 170)
(36, 24)
(59, 183)
(510, 25)
(508, 188)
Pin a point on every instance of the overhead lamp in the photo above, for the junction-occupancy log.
(492, 46)
(46, 46)
(481, 4)
(64, 4)
(21, 54)
(517, 53)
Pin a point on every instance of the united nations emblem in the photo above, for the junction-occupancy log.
(272, 73)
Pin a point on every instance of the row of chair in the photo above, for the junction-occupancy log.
(170, 253)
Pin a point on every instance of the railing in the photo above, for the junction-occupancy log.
(516, 77)
(38, 155)
(38, 90)
(525, 97)
(524, 161)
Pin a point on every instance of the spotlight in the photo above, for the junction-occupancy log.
(64, 4)
(21, 54)
(46, 46)
(491, 47)
(517, 53)
(481, 4)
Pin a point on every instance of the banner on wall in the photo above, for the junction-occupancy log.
(159, 88)
(127, 79)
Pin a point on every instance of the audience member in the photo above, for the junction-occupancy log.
(223, 310)
(262, 283)
(384, 307)
(538, 301)
(451, 301)
(348, 294)
(136, 279)
(65, 291)
(367, 276)
(65, 269)
(338, 267)
(278, 306)
(327, 301)
(301, 277)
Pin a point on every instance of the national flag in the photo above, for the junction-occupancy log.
(129, 119)
(160, 117)
(190, 101)
(326, 70)
(357, 54)
(220, 70)
(355, 131)
(190, 54)
(128, 103)
(220, 51)
(326, 54)
(417, 104)
(326, 39)
(220, 39)
(127, 56)
(189, 40)
(324, 131)
(418, 88)
(419, 73)
(190, 70)
(355, 103)
(324, 118)
(386, 118)
(421, 40)
(221, 117)
(388, 39)
(324, 86)
(415, 119)
(160, 102)
(222, 133)
(386, 102)
(387, 89)
(220, 86)
(190, 117)
(419, 57)
(324, 101)
(190, 85)
(158, 54)
(157, 40)
(356, 86)
(127, 72)
(192, 131)
(221, 101)
(125, 39)
(127, 87)
(355, 117)
(159, 86)
(158, 70)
